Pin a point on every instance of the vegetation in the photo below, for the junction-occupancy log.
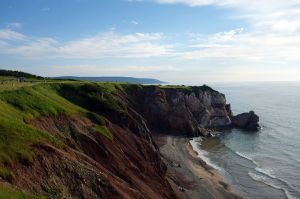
(19, 107)
(52, 193)
(16, 137)
(188, 89)
(103, 130)
(99, 97)
(98, 119)
(6, 174)
(9, 193)
(18, 74)
(10, 83)
(40, 100)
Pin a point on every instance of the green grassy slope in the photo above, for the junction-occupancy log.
(18, 107)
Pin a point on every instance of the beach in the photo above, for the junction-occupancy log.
(190, 175)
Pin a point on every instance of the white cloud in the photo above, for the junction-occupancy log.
(253, 47)
(272, 15)
(274, 35)
(190, 2)
(14, 25)
(134, 22)
(109, 44)
(34, 48)
(112, 44)
(7, 34)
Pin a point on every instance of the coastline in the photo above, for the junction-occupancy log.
(189, 175)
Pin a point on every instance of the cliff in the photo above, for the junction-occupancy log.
(182, 110)
(191, 110)
(94, 140)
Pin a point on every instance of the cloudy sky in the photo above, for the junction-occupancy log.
(179, 41)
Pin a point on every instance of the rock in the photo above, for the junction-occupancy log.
(188, 110)
(179, 110)
(248, 121)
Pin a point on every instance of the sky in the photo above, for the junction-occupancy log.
(178, 41)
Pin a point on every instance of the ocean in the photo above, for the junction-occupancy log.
(264, 164)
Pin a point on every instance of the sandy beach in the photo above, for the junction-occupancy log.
(190, 175)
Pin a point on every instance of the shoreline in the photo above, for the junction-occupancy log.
(188, 174)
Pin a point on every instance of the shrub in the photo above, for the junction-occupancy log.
(103, 130)
(6, 174)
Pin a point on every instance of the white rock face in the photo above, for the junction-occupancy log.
(180, 111)
(208, 108)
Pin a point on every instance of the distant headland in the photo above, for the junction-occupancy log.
(131, 80)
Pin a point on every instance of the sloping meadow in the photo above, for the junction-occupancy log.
(18, 108)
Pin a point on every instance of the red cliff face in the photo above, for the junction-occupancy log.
(92, 166)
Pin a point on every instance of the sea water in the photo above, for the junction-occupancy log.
(265, 164)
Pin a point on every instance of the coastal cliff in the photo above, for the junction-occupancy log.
(94, 140)
(187, 110)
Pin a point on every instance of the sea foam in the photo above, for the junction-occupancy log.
(248, 157)
(264, 180)
(195, 143)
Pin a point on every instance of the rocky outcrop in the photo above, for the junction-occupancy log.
(248, 121)
(185, 110)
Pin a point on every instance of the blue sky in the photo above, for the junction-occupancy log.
(180, 41)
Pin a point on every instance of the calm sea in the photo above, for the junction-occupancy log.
(265, 164)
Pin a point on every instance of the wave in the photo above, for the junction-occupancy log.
(265, 171)
(195, 142)
(264, 175)
(264, 180)
(268, 172)
(248, 157)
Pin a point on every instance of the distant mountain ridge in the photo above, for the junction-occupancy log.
(115, 79)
